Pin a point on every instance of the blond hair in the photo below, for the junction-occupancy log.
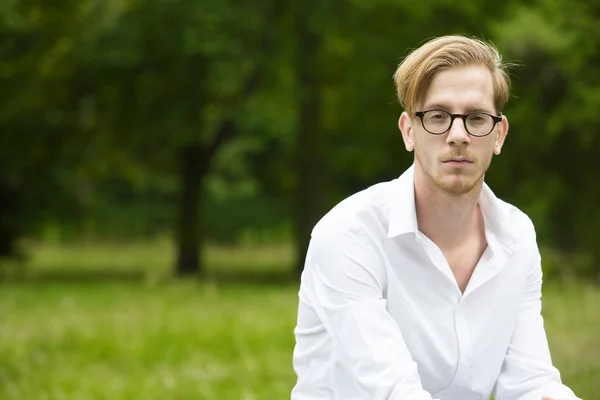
(415, 73)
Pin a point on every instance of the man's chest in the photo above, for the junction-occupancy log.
(454, 337)
(463, 261)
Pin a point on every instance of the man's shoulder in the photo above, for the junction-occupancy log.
(520, 222)
(357, 211)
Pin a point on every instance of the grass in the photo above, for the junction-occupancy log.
(152, 259)
(156, 338)
(124, 341)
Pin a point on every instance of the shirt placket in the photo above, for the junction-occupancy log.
(461, 326)
(465, 345)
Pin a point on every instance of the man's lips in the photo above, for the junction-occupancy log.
(458, 160)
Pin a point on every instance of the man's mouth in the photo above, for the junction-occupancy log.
(458, 160)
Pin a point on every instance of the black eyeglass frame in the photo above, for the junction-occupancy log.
(464, 117)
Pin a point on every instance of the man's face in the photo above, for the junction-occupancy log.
(455, 161)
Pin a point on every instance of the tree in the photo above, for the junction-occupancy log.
(555, 143)
(196, 66)
(41, 123)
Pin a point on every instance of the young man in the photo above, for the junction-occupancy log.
(428, 286)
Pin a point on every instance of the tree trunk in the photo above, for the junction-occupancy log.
(311, 147)
(10, 224)
(189, 231)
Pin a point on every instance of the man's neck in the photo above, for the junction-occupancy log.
(445, 218)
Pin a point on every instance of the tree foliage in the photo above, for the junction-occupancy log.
(276, 108)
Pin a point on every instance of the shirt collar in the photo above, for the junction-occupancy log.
(403, 215)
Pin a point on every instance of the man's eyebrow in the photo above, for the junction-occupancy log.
(436, 106)
(440, 106)
(479, 109)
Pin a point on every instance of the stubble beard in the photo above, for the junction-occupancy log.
(459, 188)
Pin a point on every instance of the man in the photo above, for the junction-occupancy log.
(428, 286)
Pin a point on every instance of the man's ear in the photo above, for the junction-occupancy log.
(405, 125)
(502, 132)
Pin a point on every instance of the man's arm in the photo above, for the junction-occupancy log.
(343, 282)
(527, 372)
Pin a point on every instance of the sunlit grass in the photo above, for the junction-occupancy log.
(572, 320)
(154, 257)
(131, 341)
(144, 339)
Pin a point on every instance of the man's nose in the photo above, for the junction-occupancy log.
(457, 132)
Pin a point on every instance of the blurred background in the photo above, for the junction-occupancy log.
(163, 162)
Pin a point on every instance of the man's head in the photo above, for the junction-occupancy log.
(447, 76)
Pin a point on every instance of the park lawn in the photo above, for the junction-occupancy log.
(106, 338)
(132, 341)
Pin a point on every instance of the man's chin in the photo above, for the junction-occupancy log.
(457, 185)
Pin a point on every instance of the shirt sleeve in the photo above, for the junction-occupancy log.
(527, 372)
(343, 282)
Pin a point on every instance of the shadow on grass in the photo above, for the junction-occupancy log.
(76, 277)
(105, 276)
(258, 278)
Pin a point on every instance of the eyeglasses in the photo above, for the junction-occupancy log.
(477, 124)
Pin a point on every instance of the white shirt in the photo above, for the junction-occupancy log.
(381, 316)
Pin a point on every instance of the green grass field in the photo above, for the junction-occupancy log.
(75, 336)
